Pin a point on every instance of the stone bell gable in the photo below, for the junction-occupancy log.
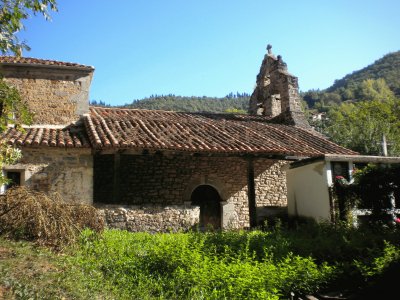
(57, 93)
(277, 93)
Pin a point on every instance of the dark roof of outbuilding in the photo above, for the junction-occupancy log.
(15, 60)
(202, 132)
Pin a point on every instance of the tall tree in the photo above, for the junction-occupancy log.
(12, 15)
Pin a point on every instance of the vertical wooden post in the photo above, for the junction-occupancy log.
(251, 193)
(117, 170)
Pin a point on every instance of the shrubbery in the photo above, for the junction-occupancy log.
(375, 187)
(234, 265)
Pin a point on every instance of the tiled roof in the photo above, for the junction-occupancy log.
(36, 61)
(69, 137)
(195, 132)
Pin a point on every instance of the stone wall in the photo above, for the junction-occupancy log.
(55, 96)
(151, 218)
(67, 172)
(155, 181)
(270, 184)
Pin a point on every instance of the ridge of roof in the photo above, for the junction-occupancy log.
(230, 116)
(19, 60)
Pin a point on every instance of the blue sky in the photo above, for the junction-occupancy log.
(212, 47)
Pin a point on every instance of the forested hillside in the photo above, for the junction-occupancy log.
(388, 68)
(362, 109)
(237, 103)
(384, 72)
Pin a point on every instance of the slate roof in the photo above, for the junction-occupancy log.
(201, 132)
(13, 60)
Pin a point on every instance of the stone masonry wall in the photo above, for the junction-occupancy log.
(156, 189)
(155, 180)
(54, 97)
(151, 218)
(67, 172)
(270, 185)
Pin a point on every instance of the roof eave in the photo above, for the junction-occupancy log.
(356, 158)
(88, 69)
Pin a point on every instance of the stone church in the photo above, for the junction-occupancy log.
(152, 170)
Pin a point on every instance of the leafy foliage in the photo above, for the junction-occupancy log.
(361, 126)
(12, 14)
(375, 187)
(12, 110)
(269, 264)
(190, 266)
(236, 265)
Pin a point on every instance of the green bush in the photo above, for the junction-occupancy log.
(225, 265)
(256, 264)
(305, 259)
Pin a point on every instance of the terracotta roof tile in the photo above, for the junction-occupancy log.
(224, 133)
(69, 137)
(42, 62)
(164, 130)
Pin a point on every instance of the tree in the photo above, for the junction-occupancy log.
(361, 126)
(12, 14)
(12, 110)
(371, 89)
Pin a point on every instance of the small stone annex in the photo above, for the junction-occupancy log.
(152, 170)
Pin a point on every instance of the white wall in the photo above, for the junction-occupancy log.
(308, 193)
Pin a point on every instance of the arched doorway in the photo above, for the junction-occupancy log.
(209, 200)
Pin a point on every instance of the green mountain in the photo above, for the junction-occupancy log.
(235, 103)
(387, 67)
(381, 77)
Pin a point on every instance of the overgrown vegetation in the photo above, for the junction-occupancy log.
(261, 264)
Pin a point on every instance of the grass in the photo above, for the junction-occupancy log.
(268, 264)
